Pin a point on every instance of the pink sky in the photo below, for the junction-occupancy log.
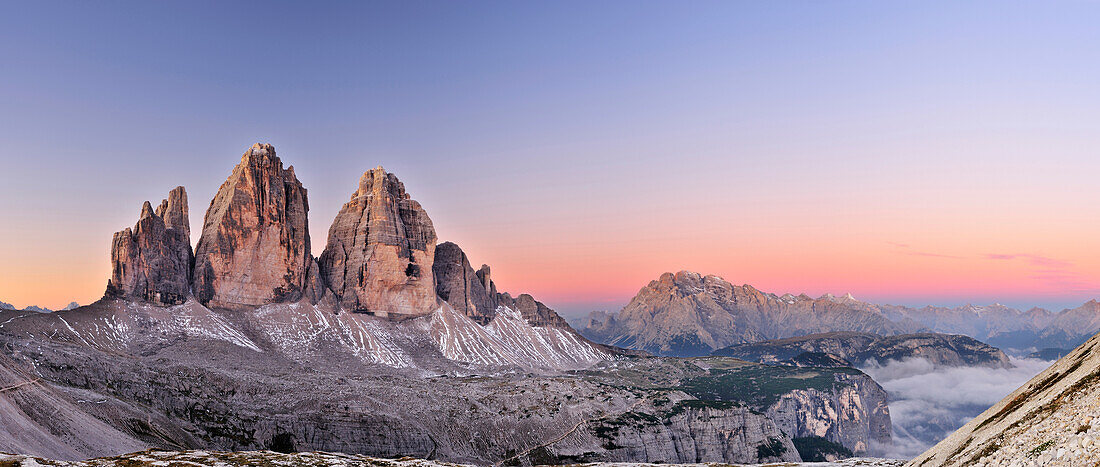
(903, 153)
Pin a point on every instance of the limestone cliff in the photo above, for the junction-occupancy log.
(254, 248)
(380, 250)
(152, 261)
(459, 285)
(853, 413)
(475, 293)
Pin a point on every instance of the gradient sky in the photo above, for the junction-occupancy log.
(906, 152)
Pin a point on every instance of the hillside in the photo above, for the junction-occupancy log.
(856, 348)
(1052, 420)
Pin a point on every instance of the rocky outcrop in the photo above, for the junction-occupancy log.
(942, 350)
(380, 250)
(457, 283)
(534, 311)
(152, 262)
(475, 294)
(853, 413)
(679, 430)
(254, 248)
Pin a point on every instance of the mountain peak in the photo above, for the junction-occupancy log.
(152, 261)
(261, 154)
(381, 229)
(254, 247)
(146, 211)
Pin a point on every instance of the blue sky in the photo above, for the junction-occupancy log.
(581, 148)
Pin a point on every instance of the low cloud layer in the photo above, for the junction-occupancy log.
(928, 403)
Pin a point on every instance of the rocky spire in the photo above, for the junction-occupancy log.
(458, 284)
(174, 211)
(380, 250)
(475, 293)
(254, 247)
(152, 261)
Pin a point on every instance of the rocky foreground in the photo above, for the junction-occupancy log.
(329, 459)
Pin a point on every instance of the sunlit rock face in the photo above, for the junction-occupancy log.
(380, 250)
(152, 261)
(254, 248)
(689, 314)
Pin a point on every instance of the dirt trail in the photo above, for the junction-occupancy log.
(17, 386)
(566, 434)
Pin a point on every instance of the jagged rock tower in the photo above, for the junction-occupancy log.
(152, 262)
(475, 293)
(380, 250)
(254, 248)
(456, 283)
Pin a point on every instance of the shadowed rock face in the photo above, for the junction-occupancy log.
(459, 285)
(475, 293)
(380, 250)
(254, 248)
(152, 262)
(534, 311)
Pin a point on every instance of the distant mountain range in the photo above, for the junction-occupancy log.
(8, 306)
(688, 314)
(856, 348)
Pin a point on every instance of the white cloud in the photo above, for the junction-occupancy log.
(927, 402)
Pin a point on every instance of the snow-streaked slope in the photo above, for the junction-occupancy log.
(305, 332)
(510, 340)
(115, 325)
(298, 329)
(301, 329)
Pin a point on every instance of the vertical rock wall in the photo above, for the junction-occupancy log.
(380, 250)
(254, 248)
(152, 261)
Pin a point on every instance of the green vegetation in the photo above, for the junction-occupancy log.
(760, 385)
(682, 406)
(1034, 452)
(818, 449)
(772, 448)
(608, 428)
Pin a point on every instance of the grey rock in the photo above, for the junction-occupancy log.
(301, 377)
(458, 284)
(152, 262)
